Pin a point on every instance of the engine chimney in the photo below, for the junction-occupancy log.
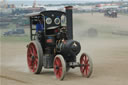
(69, 21)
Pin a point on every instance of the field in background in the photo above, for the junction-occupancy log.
(105, 26)
(82, 23)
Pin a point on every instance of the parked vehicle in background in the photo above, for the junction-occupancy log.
(110, 13)
(14, 32)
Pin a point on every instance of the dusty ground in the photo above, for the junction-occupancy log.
(109, 55)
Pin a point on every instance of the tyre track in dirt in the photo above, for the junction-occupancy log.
(10, 78)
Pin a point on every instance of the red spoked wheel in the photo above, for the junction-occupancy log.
(59, 67)
(35, 57)
(86, 65)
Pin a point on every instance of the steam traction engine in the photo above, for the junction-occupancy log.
(54, 47)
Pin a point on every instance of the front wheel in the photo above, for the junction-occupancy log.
(59, 67)
(86, 65)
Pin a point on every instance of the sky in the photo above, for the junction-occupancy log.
(66, 0)
(54, 1)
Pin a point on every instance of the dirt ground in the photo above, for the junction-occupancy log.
(109, 55)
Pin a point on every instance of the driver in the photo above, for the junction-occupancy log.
(40, 31)
(39, 25)
(40, 28)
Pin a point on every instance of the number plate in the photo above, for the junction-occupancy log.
(73, 63)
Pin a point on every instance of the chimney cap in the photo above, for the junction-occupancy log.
(68, 7)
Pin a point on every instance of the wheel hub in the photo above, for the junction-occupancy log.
(57, 67)
(33, 57)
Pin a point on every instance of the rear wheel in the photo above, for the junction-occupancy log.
(86, 65)
(59, 67)
(35, 57)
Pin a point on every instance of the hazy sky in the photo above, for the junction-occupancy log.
(66, 0)
(18, 2)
